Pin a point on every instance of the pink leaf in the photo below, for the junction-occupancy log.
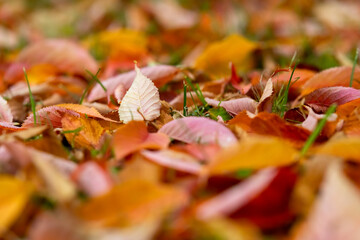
(313, 118)
(235, 106)
(5, 112)
(336, 214)
(66, 55)
(160, 75)
(175, 160)
(199, 130)
(93, 179)
(237, 196)
(322, 98)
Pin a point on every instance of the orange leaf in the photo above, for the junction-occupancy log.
(135, 136)
(352, 123)
(337, 76)
(346, 148)
(271, 124)
(217, 56)
(131, 202)
(89, 136)
(346, 109)
(254, 153)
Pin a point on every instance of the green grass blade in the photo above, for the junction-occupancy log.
(96, 79)
(317, 130)
(353, 68)
(184, 104)
(32, 101)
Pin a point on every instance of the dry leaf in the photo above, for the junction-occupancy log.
(14, 194)
(346, 148)
(135, 201)
(254, 153)
(217, 56)
(88, 132)
(5, 112)
(134, 136)
(199, 130)
(235, 106)
(141, 101)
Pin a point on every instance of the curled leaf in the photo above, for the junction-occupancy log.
(199, 130)
(322, 98)
(141, 101)
(5, 112)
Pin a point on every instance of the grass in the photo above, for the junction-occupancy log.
(32, 101)
(280, 103)
(317, 130)
(94, 79)
(353, 68)
(184, 102)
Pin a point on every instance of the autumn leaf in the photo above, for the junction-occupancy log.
(254, 153)
(235, 106)
(337, 76)
(346, 148)
(135, 201)
(217, 56)
(141, 101)
(66, 55)
(5, 112)
(134, 136)
(83, 132)
(159, 74)
(199, 130)
(14, 194)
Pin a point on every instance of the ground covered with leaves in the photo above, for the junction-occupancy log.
(179, 119)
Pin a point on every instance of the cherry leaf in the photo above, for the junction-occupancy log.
(199, 130)
(234, 106)
(160, 74)
(322, 98)
(141, 101)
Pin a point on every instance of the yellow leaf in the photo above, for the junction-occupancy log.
(119, 43)
(40, 73)
(346, 148)
(216, 58)
(81, 131)
(13, 197)
(254, 153)
(131, 202)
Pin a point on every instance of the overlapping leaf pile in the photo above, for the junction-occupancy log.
(169, 123)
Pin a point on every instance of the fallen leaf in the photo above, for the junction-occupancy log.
(134, 136)
(160, 75)
(217, 56)
(340, 195)
(237, 196)
(88, 132)
(135, 201)
(141, 101)
(253, 153)
(58, 185)
(337, 76)
(14, 194)
(5, 112)
(235, 106)
(322, 98)
(174, 160)
(93, 179)
(351, 126)
(66, 55)
(271, 124)
(346, 148)
(199, 130)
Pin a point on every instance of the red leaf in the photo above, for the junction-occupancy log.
(322, 98)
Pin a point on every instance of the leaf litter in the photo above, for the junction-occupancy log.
(179, 120)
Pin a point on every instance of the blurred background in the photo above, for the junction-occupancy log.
(324, 33)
